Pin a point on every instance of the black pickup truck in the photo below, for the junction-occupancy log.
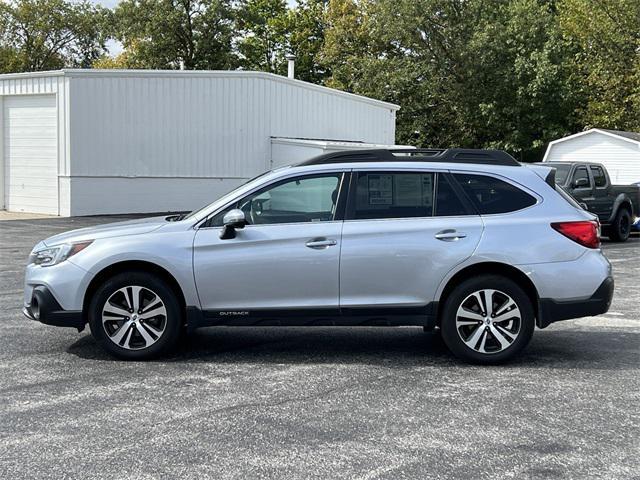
(589, 183)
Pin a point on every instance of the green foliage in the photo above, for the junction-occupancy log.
(466, 73)
(263, 27)
(306, 26)
(509, 74)
(168, 34)
(47, 34)
(607, 65)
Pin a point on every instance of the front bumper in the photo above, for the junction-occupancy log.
(44, 308)
(551, 310)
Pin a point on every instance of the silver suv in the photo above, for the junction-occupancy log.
(469, 242)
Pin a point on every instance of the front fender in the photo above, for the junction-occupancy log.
(172, 251)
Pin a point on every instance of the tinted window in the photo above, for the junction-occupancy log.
(447, 201)
(299, 200)
(491, 195)
(581, 172)
(562, 172)
(599, 177)
(392, 195)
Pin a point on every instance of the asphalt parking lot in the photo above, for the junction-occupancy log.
(289, 403)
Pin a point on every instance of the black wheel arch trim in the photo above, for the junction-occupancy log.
(552, 310)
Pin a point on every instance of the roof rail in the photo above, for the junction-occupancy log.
(450, 155)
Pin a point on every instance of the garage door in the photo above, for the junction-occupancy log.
(30, 154)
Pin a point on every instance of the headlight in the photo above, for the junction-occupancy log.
(47, 257)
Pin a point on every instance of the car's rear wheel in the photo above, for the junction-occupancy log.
(621, 227)
(487, 319)
(135, 316)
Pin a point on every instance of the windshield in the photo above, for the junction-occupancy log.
(194, 213)
(562, 172)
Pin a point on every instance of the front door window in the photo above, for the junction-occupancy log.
(297, 200)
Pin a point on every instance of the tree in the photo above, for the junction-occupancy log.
(520, 89)
(306, 27)
(170, 34)
(263, 26)
(467, 72)
(607, 65)
(49, 34)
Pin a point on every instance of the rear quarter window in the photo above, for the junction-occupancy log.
(491, 195)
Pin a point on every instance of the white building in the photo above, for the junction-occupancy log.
(618, 151)
(81, 142)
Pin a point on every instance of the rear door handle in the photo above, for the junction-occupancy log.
(321, 243)
(449, 235)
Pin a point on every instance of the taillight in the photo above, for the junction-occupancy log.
(585, 233)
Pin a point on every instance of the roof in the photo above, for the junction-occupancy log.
(94, 72)
(632, 137)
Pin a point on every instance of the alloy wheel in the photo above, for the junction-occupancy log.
(488, 321)
(134, 317)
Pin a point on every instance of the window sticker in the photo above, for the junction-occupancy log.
(408, 190)
(380, 189)
(427, 190)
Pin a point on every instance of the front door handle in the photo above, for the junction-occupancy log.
(321, 243)
(450, 235)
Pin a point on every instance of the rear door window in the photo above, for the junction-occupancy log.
(448, 203)
(380, 195)
(491, 195)
(599, 178)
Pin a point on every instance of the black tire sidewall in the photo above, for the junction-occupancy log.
(615, 234)
(457, 296)
(172, 331)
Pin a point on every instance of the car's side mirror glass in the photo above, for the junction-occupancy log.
(232, 220)
(581, 183)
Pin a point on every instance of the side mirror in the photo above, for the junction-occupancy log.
(581, 183)
(232, 220)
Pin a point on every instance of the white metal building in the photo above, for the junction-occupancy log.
(618, 151)
(81, 142)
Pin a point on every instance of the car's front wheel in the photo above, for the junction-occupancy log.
(487, 319)
(135, 316)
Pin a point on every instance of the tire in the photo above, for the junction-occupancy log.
(620, 229)
(459, 320)
(154, 333)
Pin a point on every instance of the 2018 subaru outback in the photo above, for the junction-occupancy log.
(468, 241)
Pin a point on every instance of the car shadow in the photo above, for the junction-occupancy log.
(391, 347)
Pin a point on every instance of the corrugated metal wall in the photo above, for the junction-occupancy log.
(149, 141)
(189, 124)
(620, 157)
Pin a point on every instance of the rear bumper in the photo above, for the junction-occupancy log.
(44, 308)
(551, 310)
